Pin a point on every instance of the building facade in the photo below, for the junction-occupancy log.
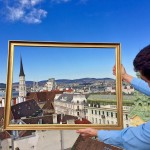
(102, 109)
(71, 104)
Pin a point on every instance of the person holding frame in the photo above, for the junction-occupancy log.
(131, 138)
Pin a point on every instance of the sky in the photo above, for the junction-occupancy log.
(126, 22)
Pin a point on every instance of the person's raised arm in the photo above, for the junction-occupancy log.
(125, 77)
(138, 84)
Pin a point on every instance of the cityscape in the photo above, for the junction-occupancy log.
(78, 101)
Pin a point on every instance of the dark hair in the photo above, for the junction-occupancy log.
(142, 62)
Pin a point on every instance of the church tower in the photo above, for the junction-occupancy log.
(22, 85)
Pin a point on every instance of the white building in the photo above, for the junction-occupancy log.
(102, 109)
(127, 89)
(50, 85)
(71, 104)
(2, 102)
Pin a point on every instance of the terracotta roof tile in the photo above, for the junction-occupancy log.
(43, 96)
(91, 144)
(4, 135)
(83, 121)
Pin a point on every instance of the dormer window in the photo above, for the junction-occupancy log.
(140, 104)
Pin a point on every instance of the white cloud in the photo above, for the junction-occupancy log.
(35, 2)
(60, 1)
(24, 2)
(35, 16)
(15, 13)
(25, 11)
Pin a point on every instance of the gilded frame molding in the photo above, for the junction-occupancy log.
(13, 44)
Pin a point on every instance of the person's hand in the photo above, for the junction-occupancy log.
(123, 71)
(125, 77)
(88, 132)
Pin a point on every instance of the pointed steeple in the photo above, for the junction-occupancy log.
(21, 68)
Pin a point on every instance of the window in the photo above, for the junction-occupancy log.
(140, 104)
(93, 120)
(103, 121)
(96, 120)
(116, 115)
(111, 114)
(126, 117)
(99, 121)
(92, 111)
(107, 114)
(95, 112)
(99, 112)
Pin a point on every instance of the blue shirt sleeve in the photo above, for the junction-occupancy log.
(140, 85)
(131, 138)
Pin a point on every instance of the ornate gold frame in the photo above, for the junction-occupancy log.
(12, 44)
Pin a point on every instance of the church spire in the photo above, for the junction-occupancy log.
(21, 68)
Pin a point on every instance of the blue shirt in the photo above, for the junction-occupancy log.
(131, 138)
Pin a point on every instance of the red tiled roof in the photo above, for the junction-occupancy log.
(91, 144)
(25, 109)
(48, 119)
(68, 90)
(4, 135)
(43, 96)
(83, 121)
(65, 118)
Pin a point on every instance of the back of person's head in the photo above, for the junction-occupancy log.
(142, 62)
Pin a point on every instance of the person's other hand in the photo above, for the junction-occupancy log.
(125, 77)
(123, 71)
(88, 132)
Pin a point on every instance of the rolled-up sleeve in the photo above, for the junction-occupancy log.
(112, 137)
(131, 138)
(141, 85)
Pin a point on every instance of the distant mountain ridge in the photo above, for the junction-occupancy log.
(2, 85)
(65, 81)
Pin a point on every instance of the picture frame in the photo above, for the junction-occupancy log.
(35, 44)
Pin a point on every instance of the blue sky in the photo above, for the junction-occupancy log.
(126, 22)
